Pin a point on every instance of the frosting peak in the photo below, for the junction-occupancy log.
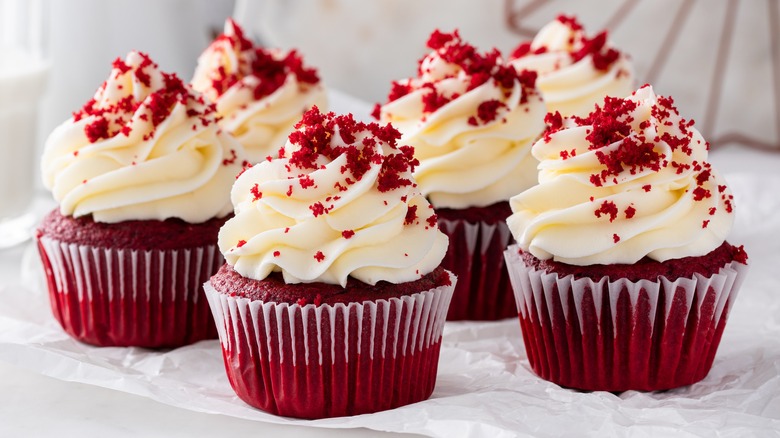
(146, 146)
(260, 93)
(339, 201)
(471, 119)
(629, 180)
(575, 71)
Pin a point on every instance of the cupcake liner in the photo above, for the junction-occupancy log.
(331, 360)
(618, 335)
(124, 297)
(476, 256)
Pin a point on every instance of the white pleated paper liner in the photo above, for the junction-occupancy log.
(617, 335)
(476, 256)
(123, 297)
(331, 360)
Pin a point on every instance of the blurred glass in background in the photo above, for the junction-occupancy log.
(23, 72)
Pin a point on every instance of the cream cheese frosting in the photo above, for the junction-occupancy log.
(629, 180)
(339, 201)
(575, 72)
(260, 93)
(145, 147)
(472, 120)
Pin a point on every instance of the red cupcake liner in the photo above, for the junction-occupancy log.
(476, 256)
(123, 297)
(331, 360)
(618, 335)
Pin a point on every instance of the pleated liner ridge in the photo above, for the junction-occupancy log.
(476, 256)
(331, 360)
(622, 335)
(123, 297)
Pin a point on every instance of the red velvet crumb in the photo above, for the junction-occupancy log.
(271, 70)
(411, 215)
(607, 208)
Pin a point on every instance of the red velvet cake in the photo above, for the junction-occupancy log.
(483, 291)
(321, 350)
(332, 301)
(622, 275)
(656, 340)
(142, 175)
(136, 283)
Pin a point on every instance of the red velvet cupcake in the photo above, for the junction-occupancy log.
(471, 119)
(332, 301)
(142, 175)
(621, 271)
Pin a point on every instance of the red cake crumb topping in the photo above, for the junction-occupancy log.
(411, 215)
(270, 70)
(570, 21)
(602, 56)
(256, 193)
(478, 67)
(554, 123)
(314, 137)
(319, 256)
(111, 119)
(611, 124)
(607, 208)
(487, 111)
(274, 289)
(700, 193)
(347, 234)
(524, 49)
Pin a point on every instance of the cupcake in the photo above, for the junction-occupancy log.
(575, 72)
(471, 119)
(332, 301)
(142, 175)
(260, 93)
(621, 270)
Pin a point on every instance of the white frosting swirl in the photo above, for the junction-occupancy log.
(259, 93)
(475, 149)
(631, 180)
(317, 216)
(569, 84)
(146, 147)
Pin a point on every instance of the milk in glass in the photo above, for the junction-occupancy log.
(23, 71)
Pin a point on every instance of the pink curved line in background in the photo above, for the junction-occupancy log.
(669, 41)
(718, 74)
